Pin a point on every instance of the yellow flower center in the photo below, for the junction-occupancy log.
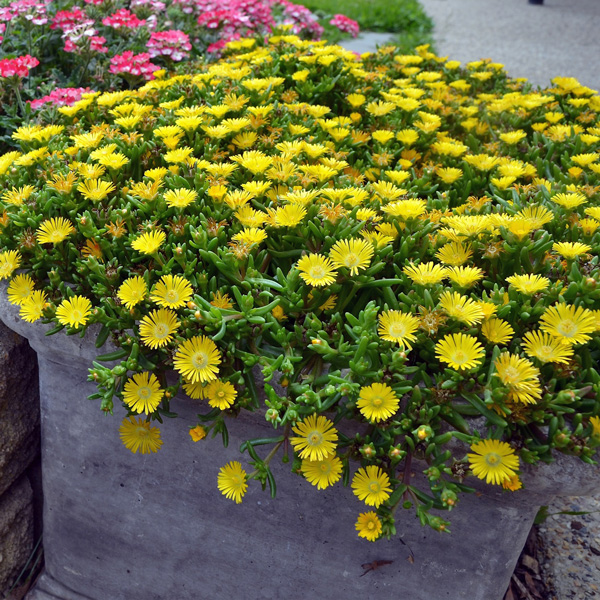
(220, 394)
(199, 360)
(377, 401)
(459, 357)
(142, 432)
(492, 459)
(76, 315)
(144, 392)
(172, 296)
(370, 525)
(567, 328)
(397, 330)
(161, 331)
(374, 487)
(317, 272)
(351, 260)
(511, 375)
(314, 438)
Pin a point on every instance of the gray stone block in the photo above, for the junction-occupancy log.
(19, 407)
(16, 531)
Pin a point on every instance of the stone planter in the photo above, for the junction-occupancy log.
(120, 526)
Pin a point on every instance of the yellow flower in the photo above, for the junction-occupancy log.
(398, 327)
(368, 526)
(569, 200)
(571, 324)
(74, 311)
(19, 289)
(231, 481)
(9, 261)
(497, 331)
(33, 306)
(324, 472)
(464, 277)
(132, 291)
(95, 189)
(461, 308)
(546, 348)
(138, 435)
(54, 231)
(197, 433)
(454, 253)
(172, 291)
(113, 161)
(142, 393)
(528, 284)
(220, 394)
(493, 460)
(570, 250)
(405, 209)
(377, 402)
(520, 377)
(354, 254)
(513, 137)
(426, 273)
(149, 242)
(460, 351)
(17, 196)
(157, 328)
(290, 215)
(316, 437)
(372, 485)
(221, 300)
(316, 270)
(179, 155)
(250, 236)
(197, 359)
(449, 174)
(180, 198)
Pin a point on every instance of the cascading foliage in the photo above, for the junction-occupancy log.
(408, 247)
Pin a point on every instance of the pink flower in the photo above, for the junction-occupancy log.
(17, 67)
(133, 64)
(156, 6)
(30, 10)
(60, 97)
(123, 18)
(343, 23)
(67, 19)
(173, 43)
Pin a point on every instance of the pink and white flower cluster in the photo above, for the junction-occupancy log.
(173, 43)
(17, 67)
(31, 10)
(129, 63)
(344, 23)
(60, 97)
(123, 18)
(300, 18)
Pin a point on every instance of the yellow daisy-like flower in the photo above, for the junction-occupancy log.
(231, 481)
(19, 289)
(464, 277)
(353, 254)
(132, 291)
(493, 460)
(513, 137)
(398, 327)
(142, 393)
(33, 306)
(197, 359)
(324, 472)
(220, 394)
(196, 391)
(372, 485)
(454, 253)
(461, 308)
(9, 261)
(497, 331)
(428, 273)
(316, 270)
(316, 439)
(289, 215)
(74, 311)
(172, 291)
(520, 377)
(180, 198)
(377, 402)
(140, 436)
(197, 433)
(569, 200)
(460, 351)
(149, 242)
(528, 284)
(368, 526)
(17, 196)
(405, 209)
(54, 231)
(449, 174)
(179, 155)
(157, 328)
(571, 324)
(96, 189)
(546, 348)
(512, 483)
(221, 300)
(570, 250)
(595, 422)
(250, 236)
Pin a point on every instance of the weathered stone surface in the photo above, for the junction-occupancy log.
(16, 531)
(19, 407)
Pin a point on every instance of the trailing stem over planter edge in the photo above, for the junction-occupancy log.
(406, 245)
